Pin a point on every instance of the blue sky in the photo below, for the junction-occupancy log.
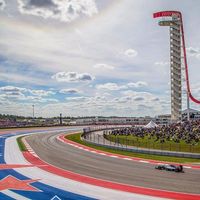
(87, 57)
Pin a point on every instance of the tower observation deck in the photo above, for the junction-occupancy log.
(173, 19)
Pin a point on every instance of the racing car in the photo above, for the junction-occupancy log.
(168, 167)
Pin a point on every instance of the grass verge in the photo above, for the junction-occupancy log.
(76, 138)
(151, 143)
(21, 145)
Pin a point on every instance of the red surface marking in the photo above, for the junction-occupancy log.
(10, 166)
(2, 133)
(106, 184)
(12, 183)
(62, 137)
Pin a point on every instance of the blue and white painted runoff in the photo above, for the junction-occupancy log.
(42, 184)
(44, 191)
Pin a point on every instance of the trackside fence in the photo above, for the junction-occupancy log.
(99, 136)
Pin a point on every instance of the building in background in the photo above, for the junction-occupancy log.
(160, 119)
(194, 114)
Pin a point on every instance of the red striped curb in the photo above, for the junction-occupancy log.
(107, 184)
(154, 162)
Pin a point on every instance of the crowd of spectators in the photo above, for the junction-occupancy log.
(185, 131)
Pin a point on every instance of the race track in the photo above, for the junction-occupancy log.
(64, 156)
(21, 180)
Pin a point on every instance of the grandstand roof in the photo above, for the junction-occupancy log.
(190, 110)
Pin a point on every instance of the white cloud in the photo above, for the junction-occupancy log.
(69, 91)
(155, 99)
(63, 10)
(13, 93)
(50, 100)
(110, 86)
(77, 98)
(161, 63)
(103, 66)
(72, 77)
(123, 99)
(41, 92)
(132, 93)
(115, 86)
(13, 89)
(133, 97)
(198, 56)
(39, 99)
(131, 53)
(2, 4)
(20, 78)
(139, 98)
(193, 51)
(10, 89)
(195, 89)
(142, 107)
(138, 84)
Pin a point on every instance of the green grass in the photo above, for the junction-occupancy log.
(76, 138)
(150, 143)
(21, 145)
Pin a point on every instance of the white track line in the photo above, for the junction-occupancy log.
(29, 147)
(103, 154)
(188, 167)
(86, 149)
(64, 183)
(143, 161)
(127, 158)
(113, 156)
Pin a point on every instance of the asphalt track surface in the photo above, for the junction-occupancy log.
(62, 155)
(14, 175)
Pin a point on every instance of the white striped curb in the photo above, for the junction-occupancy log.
(28, 147)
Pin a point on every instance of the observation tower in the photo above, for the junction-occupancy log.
(173, 19)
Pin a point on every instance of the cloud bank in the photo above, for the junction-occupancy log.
(63, 10)
(115, 86)
(131, 53)
(2, 4)
(103, 66)
(69, 91)
(72, 77)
